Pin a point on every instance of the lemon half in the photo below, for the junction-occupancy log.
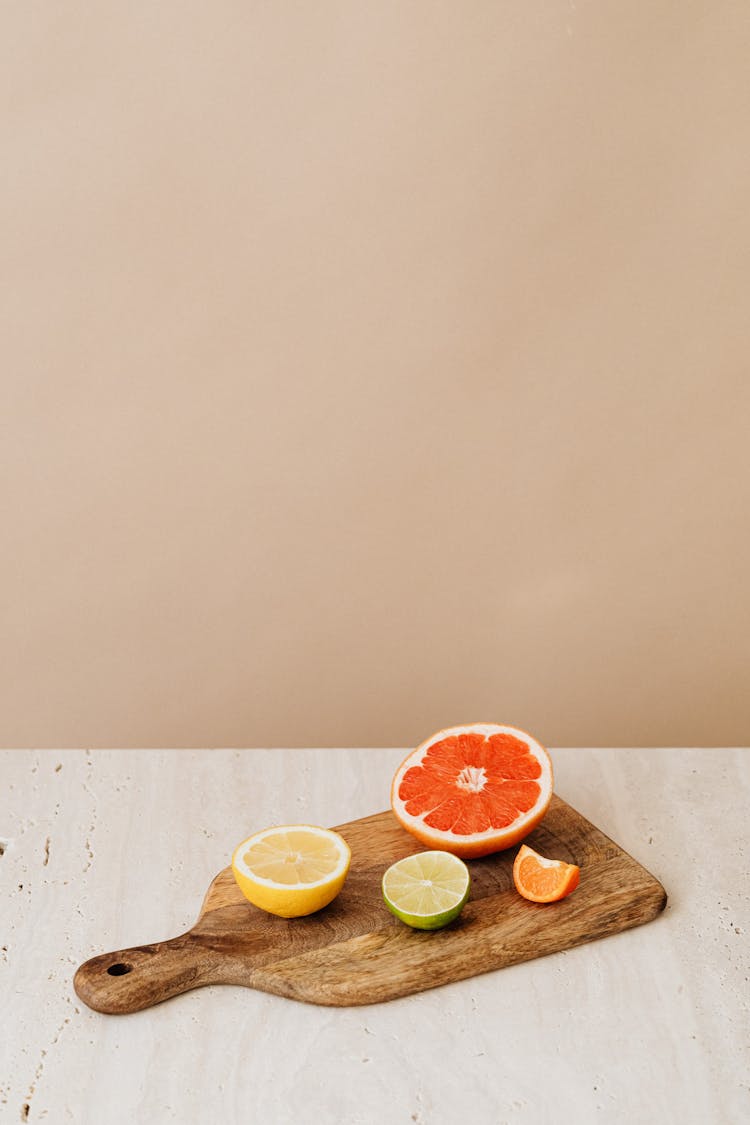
(293, 869)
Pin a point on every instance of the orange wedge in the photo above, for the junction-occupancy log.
(543, 880)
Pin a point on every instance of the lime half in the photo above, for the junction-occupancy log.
(427, 890)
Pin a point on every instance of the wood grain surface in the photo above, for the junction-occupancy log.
(355, 952)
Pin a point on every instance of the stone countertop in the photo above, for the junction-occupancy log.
(101, 850)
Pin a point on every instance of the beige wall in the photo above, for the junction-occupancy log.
(370, 367)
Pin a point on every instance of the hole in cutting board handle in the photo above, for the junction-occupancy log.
(119, 969)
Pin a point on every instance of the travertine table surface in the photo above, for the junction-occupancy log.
(106, 849)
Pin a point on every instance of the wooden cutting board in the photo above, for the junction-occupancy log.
(355, 952)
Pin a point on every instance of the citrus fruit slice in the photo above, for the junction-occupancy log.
(473, 790)
(293, 869)
(543, 880)
(427, 890)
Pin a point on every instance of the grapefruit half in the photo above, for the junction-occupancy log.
(473, 790)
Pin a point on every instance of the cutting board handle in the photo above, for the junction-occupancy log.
(129, 980)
